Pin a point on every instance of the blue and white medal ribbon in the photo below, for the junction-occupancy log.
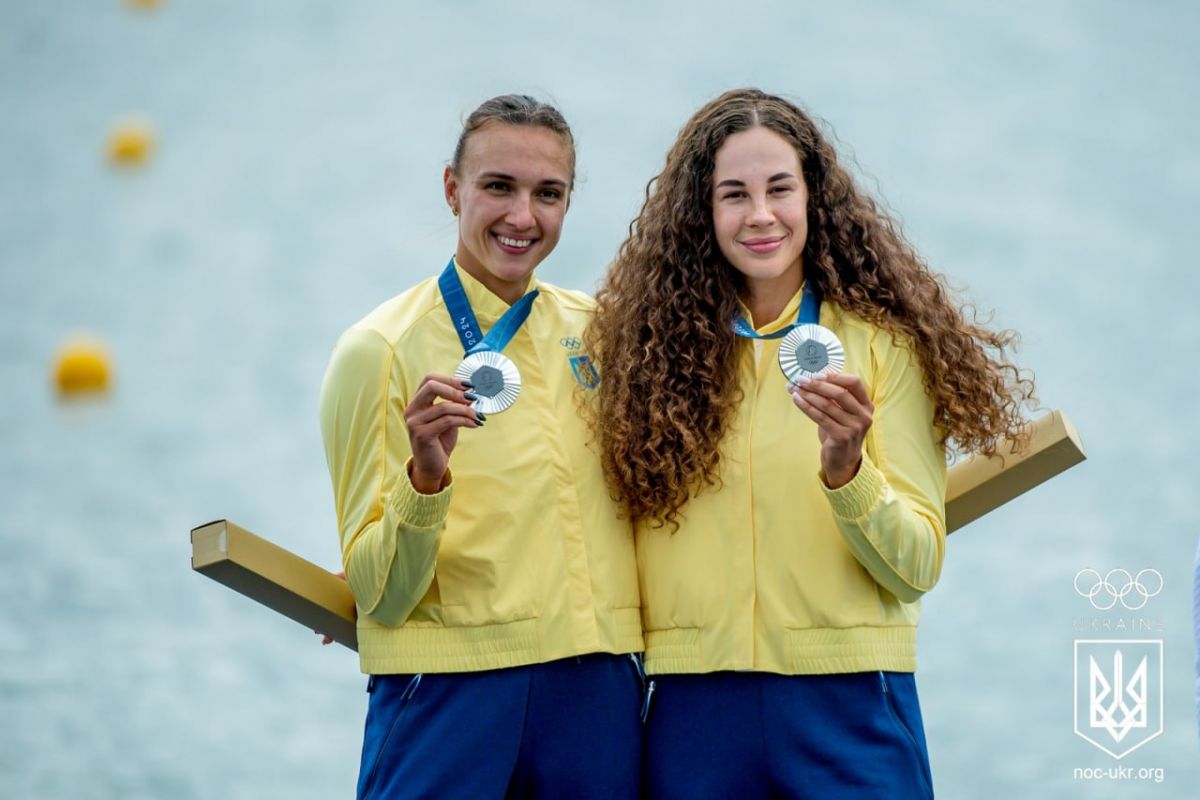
(807, 349)
(495, 377)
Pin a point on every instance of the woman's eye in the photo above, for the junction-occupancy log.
(550, 194)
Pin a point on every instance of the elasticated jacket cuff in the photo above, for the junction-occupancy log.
(419, 510)
(859, 496)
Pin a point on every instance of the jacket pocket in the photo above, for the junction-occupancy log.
(486, 581)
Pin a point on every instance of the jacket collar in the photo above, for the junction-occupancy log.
(483, 302)
(785, 318)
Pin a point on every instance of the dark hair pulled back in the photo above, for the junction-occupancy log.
(515, 109)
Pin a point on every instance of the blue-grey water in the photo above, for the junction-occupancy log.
(1044, 156)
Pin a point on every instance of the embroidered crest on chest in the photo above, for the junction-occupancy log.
(581, 363)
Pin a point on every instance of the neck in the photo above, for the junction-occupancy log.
(766, 298)
(508, 291)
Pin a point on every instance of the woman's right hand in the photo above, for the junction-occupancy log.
(440, 406)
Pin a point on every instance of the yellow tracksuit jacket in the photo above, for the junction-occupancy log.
(522, 559)
(774, 572)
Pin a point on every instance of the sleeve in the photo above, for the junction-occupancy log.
(892, 514)
(389, 531)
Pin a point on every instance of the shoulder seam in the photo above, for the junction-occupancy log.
(404, 331)
(569, 298)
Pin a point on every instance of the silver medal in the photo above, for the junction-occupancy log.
(810, 350)
(496, 380)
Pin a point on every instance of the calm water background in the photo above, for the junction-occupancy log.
(1043, 155)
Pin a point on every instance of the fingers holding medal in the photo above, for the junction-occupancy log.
(835, 401)
(812, 359)
(440, 406)
(838, 403)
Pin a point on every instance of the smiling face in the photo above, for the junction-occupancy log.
(760, 209)
(511, 191)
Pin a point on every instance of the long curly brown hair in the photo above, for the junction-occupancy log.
(662, 331)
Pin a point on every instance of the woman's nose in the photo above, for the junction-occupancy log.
(520, 212)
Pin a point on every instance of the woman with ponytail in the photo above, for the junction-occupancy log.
(495, 582)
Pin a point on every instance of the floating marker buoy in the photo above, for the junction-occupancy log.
(82, 366)
(143, 4)
(130, 143)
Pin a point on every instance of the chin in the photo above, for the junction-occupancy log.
(514, 268)
(761, 272)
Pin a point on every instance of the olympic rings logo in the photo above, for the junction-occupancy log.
(1118, 586)
(570, 342)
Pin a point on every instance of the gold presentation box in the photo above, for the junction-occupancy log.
(979, 485)
(319, 600)
(277, 578)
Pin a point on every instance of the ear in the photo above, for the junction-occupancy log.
(450, 185)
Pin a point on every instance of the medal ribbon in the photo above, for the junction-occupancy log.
(472, 338)
(810, 313)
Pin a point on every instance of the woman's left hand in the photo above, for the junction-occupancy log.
(839, 405)
(325, 637)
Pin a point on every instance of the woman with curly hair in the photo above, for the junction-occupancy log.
(786, 524)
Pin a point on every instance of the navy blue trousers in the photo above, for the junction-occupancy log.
(565, 729)
(747, 735)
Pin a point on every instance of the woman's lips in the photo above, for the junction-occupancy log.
(514, 245)
(765, 245)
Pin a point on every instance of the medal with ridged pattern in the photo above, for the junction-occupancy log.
(810, 350)
(496, 379)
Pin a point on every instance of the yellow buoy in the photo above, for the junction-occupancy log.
(130, 143)
(143, 4)
(82, 366)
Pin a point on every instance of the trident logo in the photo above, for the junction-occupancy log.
(1117, 707)
(1123, 703)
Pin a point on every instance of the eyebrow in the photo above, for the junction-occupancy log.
(778, 176)
(506, 177)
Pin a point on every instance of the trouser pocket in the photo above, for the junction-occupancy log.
(646, 685)
(647, 696)
(900, 697)
(390, 696)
